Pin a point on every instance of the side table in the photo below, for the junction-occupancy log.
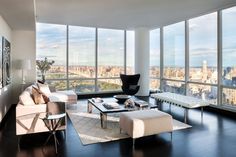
(52, 122)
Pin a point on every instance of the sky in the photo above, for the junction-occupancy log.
(202, 41)
(51, 42)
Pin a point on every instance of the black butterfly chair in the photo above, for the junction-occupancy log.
(130, 83)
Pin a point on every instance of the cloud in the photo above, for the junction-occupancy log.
(193, 26)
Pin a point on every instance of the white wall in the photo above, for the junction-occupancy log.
(24, 47)
(5, 93)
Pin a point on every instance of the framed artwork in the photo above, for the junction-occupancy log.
(1, 61)
(6, 62)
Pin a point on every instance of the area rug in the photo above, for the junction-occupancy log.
(88, 127)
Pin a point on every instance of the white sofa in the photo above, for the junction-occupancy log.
(29, 114)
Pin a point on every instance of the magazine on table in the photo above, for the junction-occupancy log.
(111, 105)
(141, 103)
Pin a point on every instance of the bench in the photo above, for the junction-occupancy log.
(145, 122)
(187, 102)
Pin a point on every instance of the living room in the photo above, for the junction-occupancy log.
(185, 48)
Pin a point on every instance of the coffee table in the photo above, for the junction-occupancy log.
(104, 111)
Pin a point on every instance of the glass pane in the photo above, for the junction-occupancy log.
(51, 43)
(59, 85)
(155, 53)
(174, 87)
(109, 84)
(203, 49)
(154, 84)
(110, 52)
(81, 52)
(174, 51)
(229, 47)
(130, 52)
(229, 96)
(82, 86)
(204, 92)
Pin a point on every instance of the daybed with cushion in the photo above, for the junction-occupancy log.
(36, 100)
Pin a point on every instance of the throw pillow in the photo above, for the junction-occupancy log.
(44, 88)
(38, 96)
(26, 99)
(45, 98)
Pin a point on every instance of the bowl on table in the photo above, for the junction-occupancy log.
(122, 98)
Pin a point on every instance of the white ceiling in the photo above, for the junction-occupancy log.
(121, 14)
(19, 14)
(124, 14)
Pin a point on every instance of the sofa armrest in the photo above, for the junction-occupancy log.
(29, 117)
(22, 110)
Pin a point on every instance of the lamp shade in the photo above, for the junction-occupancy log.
(25, 64)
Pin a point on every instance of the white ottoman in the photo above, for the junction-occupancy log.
(145, 122)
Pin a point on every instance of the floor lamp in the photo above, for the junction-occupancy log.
(25, 65)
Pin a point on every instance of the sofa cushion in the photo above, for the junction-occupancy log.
(44, 88)
(58, 97)
(38, 96)
(26, 98)
(71, 95)
(63, 96)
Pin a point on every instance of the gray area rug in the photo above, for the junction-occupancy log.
(88, 126)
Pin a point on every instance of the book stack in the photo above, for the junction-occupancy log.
(141, 103)
(111, 105)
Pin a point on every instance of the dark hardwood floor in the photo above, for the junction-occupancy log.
(213, 136)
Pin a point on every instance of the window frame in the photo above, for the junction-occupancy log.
(96, 78)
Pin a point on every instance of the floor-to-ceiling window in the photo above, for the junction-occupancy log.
(174, 58)
(229, 56)
(86, 59)
(81, 61)
(203, 57)
(154, 71)
(110, 58)
(199, 57)
(51, 43)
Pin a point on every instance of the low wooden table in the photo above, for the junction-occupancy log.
(187, 102)
(104, 111)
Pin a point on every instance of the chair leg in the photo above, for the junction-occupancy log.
(171, 134)
(19, 138)
(65, 134)
(55, 142)
(133, 143)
